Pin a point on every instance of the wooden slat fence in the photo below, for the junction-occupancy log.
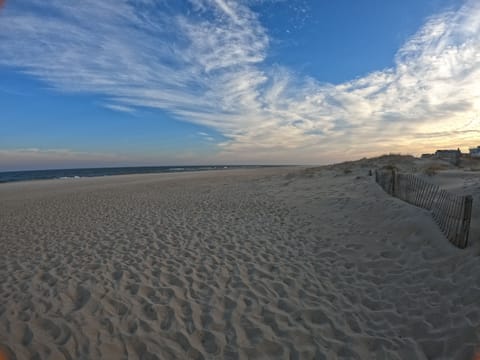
(451, 212)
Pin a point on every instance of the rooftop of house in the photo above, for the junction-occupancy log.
(448, 151)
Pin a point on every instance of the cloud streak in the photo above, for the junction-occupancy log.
(33, 158)
(204, 62)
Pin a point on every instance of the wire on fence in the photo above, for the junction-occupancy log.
(451, 212)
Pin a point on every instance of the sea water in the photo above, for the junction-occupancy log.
(89, 172)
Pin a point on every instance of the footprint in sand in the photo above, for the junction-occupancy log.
(82, 296)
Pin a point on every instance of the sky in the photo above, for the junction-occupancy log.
(177, 82)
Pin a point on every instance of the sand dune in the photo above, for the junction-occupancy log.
(279, 263)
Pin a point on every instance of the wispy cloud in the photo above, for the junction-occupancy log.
(205, 136)
(204, 62)
(38, 158)
(120, 108)
(35, 158)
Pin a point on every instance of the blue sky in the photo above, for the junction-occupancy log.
(154, 82)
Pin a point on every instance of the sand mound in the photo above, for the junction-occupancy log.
(273, 263)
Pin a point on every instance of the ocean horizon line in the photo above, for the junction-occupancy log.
(76, 173)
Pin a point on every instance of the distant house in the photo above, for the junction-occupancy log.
(475, 152)
(426, 156)
(452, 156)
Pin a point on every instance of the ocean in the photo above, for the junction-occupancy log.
(89, 172)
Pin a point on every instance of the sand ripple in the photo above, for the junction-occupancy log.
(310, 265)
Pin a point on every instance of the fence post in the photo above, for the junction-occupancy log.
(423, 198)
(432, 196)
(443, 210)
(408, 188)
(451, 229)
(418, 189)
(465, 227)
(394, 182)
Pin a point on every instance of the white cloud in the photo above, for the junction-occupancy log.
(120, 108)
(208, 68)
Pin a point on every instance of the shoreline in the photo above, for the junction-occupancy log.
(74, 173)
(253, 168)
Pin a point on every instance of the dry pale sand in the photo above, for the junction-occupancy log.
(269, 263)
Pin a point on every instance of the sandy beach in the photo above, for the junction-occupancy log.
(272, 263)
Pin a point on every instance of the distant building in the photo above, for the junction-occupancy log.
(452, 156)
(475, 152)
(426, 156)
